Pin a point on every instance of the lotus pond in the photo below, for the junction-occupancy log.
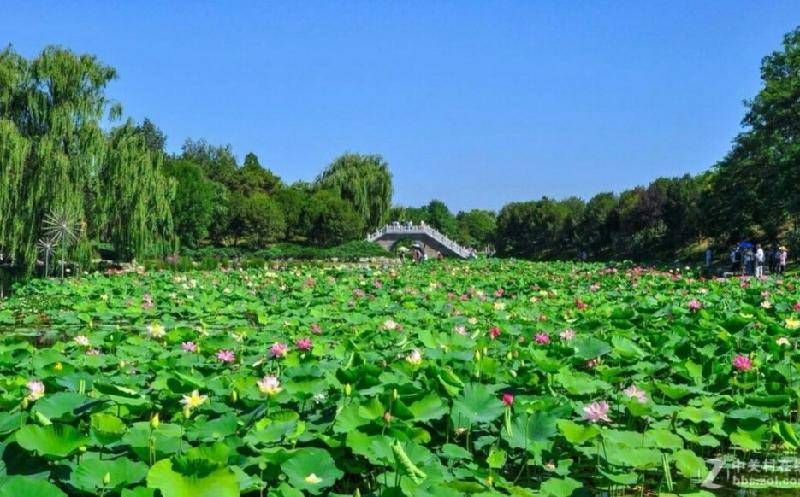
(443, 379)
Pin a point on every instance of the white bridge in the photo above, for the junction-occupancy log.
(431, 239)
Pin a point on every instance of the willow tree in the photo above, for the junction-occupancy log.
(52, 148)
(134, 212)
(365, 182)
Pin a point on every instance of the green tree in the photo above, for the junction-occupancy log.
(135, 197)
(440, 217)
(194, 202)
(331, 220)
(218, 163)
(55, 158)
(476, 228)
(252, 178)
(293, 200)
(595, 227)
(263, 218)
(365, 182)
(155, 140)
(754, 190)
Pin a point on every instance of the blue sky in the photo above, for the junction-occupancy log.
(475, 103)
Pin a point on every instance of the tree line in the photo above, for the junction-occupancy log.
(71, 187)
(752, 193)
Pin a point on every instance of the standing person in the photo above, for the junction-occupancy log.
(782, 259)
(759, 261)
(735, 259)
(709, 259)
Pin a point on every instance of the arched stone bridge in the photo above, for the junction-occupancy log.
(432, 240)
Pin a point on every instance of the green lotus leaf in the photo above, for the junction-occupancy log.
(311, 469)
(690, 464)
(94, 474)
(559, 487)
(27, 486)
(50, 441)
(478, 403)
(220, 482)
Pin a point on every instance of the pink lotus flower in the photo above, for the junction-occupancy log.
(225, 355)
(567, 335)
(189, 346)
(542, 338)
(580, 304)
(358, 293)
(694, 305)
(460, 329)
(742, 362)
(278, 350)
(269, 385)
(499, 292)
(508, 399)
(377, 284)
(92, 351)
(633, 392)
(316, 329)
(797, 306)
(596, 412)
(591, 363)
(35, 390)
(494, 332)
(303, 343)
(82, 340)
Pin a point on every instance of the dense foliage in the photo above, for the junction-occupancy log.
(56, 162)
(483, 378)
(120, 187)
(751, 193)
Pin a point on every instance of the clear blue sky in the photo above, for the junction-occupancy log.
(475, 103)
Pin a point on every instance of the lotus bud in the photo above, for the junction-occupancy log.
(154, 421)
(347, 389)
(509, 355)
(58, 366)
(106, 478)
(394, 394)
(477, 355)
(234, 395)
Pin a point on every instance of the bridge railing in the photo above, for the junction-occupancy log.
(404, 229)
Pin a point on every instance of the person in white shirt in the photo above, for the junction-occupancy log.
(782, 260)
(759, 261)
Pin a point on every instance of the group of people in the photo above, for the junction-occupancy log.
(747, 259)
